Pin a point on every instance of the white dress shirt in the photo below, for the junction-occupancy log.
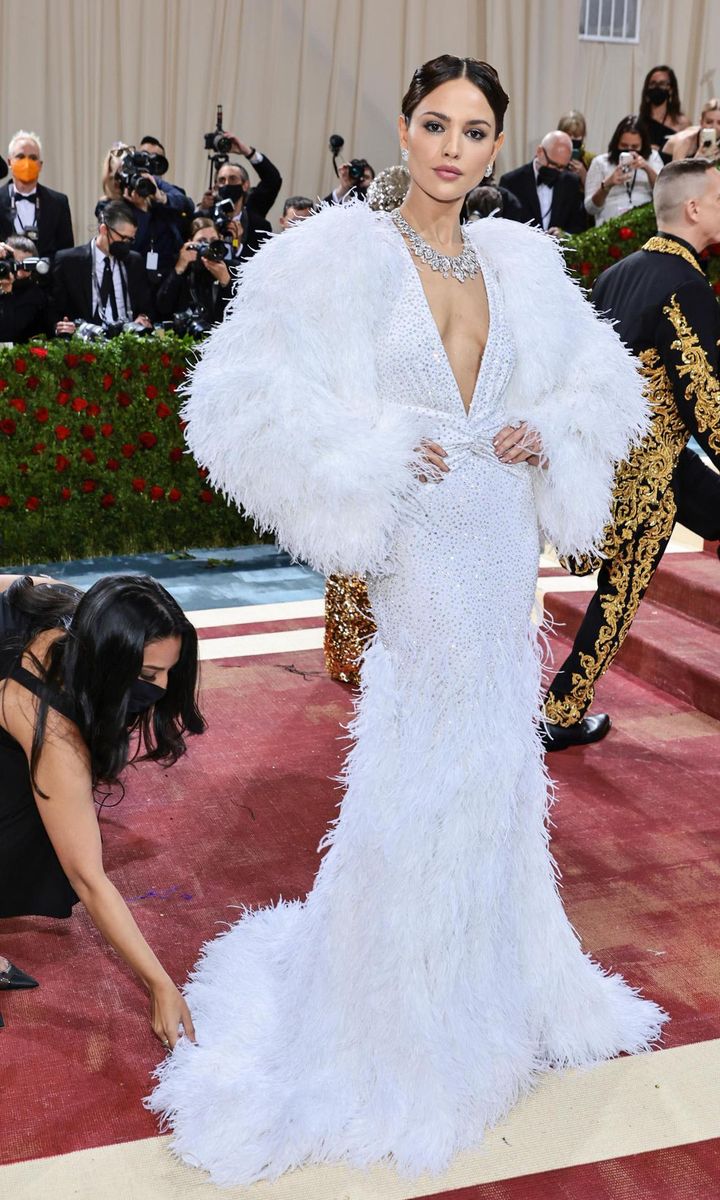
(119, 285)
(25, 212)
(545, 197)
(621, 197)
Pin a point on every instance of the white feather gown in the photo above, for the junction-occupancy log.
(431, 973)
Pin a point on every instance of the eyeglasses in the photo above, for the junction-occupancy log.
(121, 237)
(550, 163)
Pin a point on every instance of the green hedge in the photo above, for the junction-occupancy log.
(92, 456)
(590, 253)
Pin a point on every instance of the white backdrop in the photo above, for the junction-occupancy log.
(84, 73)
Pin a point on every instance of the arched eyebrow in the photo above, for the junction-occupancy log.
(444, 117)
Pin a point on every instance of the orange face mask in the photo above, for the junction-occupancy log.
(25, 169)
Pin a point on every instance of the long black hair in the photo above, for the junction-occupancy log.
(95, 661)
(631, 124)
(448, 66)
(673, 104)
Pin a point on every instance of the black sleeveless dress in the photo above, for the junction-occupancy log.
(32, 882)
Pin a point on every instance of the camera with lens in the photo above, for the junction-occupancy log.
(357, 168)
(223, 213)
(135, 168)
(217, 140)
(189, 321)
(213, 251)
(36, 267)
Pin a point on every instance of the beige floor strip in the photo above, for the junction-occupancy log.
(250, 614)
(261, 643)
(627, 1106)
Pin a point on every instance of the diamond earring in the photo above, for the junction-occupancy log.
(404, 154)
(488, 170)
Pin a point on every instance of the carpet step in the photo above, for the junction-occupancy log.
(690, 584)
(665, 648)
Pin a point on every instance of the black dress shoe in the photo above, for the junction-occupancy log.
(584, 733)
(13, 978)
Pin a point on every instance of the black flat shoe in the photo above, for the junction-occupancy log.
(584, 733)
(13, 979)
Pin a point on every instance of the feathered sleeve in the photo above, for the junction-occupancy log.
(281, 406)
(578, 386)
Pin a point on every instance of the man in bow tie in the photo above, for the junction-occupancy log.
(550, 195)
(27, 208)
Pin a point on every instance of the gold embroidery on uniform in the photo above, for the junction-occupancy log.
(703, 389)
(668, 246)
(643, 516)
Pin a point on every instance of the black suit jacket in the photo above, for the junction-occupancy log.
(568, 206)
(72, 288)
(54, 223)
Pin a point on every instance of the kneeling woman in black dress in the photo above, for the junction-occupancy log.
(87, 681)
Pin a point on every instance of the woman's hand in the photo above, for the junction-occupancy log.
(168, 1011)
(435, 456)
(518, 443)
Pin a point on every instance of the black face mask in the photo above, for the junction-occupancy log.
(548, 175)
(120, 250)
(142, 696)
(658, 95)
(231, 191)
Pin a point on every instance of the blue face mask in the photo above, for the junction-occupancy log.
(142, 696)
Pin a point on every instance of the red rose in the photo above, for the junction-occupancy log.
(172, 388)
(163, 411)
(126, 373)
(182, 425)
(124, 400)
(23, 468)
(156, 493)
(66, 384)
(63, 397)
(38, 351)
(626, 232)
(175, 454)
(32, 504)
(139, 484)
(65, 493)
(206, 496)
(62, 432)
(614, 251)
(79, 404)
(38, 448)
(151, 392)
(3, 384)
(174, 494)
(93, 410)
(585, 268)
(107, 382)
(5, 501)
(32, 382)
(18, 404)
(7, 426)
(128, 450)
(88, 485)
(42, 415)
(72, 360)
(144, 368)
(106, 429)
(178, 372)
(88, 432)
(88, 455)
(61, 462)
(147, 440)
(112, 464)
(165, 358)
(203, 472)
(108, 500)
(88, 357)
(20, 366)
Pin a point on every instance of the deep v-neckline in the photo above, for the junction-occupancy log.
(467, 412)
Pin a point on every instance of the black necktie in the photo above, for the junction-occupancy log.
(107, 291)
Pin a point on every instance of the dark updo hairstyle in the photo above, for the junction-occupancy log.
(673, 105)
(94, 663)
(446, 67)
(631, 124)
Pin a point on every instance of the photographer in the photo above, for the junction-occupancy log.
(104, 281)
(23, 300)
(198, 283)
(296, 208)
(27, 207)
(354, 179)
(698, 141)
(231, 177)
(623, 178)
(160, 209)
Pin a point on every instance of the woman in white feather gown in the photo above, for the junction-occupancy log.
(431, 973)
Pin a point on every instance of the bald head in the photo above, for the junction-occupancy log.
(556, 149)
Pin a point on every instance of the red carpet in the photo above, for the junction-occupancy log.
(238, 822)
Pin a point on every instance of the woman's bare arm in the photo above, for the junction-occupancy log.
(68, 814)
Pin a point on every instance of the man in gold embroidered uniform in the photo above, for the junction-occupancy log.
(667, 313)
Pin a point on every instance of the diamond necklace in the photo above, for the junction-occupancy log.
(461, 266)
